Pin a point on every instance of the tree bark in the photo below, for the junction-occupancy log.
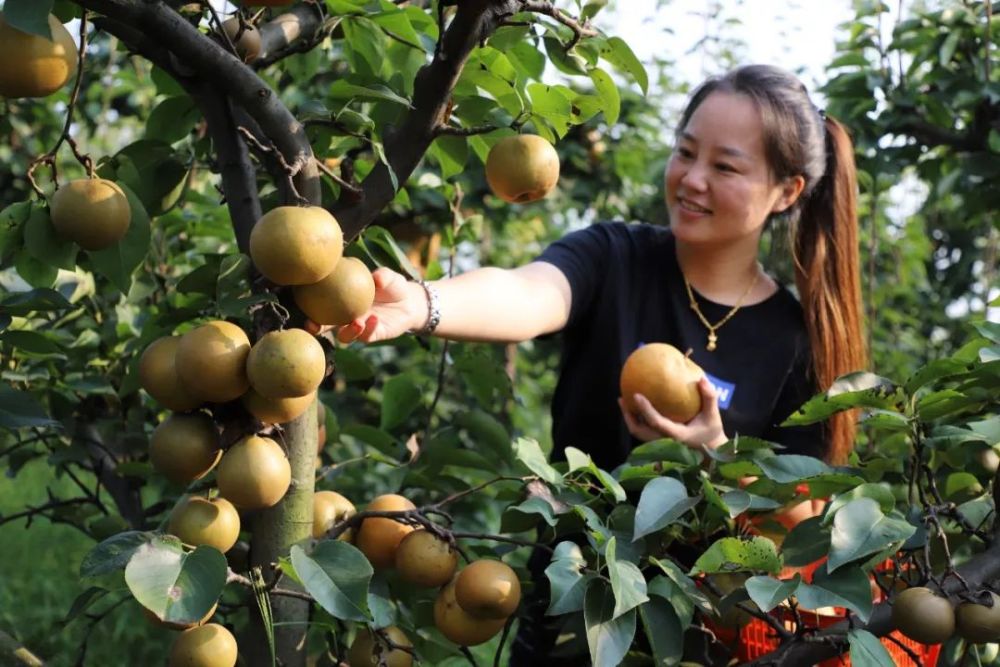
(275, 530)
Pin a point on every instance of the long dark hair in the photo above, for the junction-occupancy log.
(800, 140)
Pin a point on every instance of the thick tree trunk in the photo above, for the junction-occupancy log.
(275, 530)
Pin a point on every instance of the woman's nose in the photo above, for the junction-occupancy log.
(694, 177)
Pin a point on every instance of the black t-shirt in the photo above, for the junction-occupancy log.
(627, 289)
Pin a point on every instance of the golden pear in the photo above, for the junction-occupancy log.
(184, 448)
(198, 521)
(158, 375)
(379, 537)
(365, 652)
(292, 245)
(94, 213)
(209, 645)
(33, 66)
(329, 508)
(522, 168)
(488, 588)
(211, 361)
(459, 625)
(667, 378)
(341, 297)
(276, 410)
(425, 559)
(286, 364)
(248, 42)
(254, 473)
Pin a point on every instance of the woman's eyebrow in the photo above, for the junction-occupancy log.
(726, 150)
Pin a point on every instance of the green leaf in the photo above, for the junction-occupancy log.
(684, 583)
(788, 468)
(666, 449)
(732, 554)
(114, 553)
(627, 582)
(19, 409)
(608, 637)
(31, 16)
(172, 119)
(880, 493)
(451, 153)
(12, 220)
(177, 587)
(867, 650)
(30, 341)
(861, 529)
(608, 92)
(739, 501)
(34, 271)
(565, 61)
(848, 587)
(341, 89)
(338, 576)
(518, 518)
(34, 301)
(351, 365)
(934, 371)
(855, 390)
(380, 603)
(549, 103)
(400, 397)
(620, 54)
(383, 247)
(42, 242)
(487, 432)
(948, 47)
(943, 403)
(768, 592)
(664, 630)
(609, 483)
(567, 583)
(120, 261)
(663, 501)
(530, 454)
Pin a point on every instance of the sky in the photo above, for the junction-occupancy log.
(799, 34)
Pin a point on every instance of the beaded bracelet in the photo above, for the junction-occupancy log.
(433, 311)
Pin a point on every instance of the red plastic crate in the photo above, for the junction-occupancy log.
(757, 638)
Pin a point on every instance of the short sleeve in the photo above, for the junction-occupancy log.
(583, 257)
(799, 387)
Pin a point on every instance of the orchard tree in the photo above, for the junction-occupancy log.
(196, 179)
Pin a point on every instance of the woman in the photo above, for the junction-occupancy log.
(751, 151)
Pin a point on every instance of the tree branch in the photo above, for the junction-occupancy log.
(474, 21)
(548, 9)
(207, 60)
(298, 30)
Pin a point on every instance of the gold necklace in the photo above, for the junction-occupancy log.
(713, 338)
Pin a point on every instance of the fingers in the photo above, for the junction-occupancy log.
(634, 425)
(709, 398)
(656, 421)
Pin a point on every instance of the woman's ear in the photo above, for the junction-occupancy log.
(791, 188)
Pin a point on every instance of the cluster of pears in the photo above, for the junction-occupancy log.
(472, 605)
(303, 247)
(928, 618)
(91, 212)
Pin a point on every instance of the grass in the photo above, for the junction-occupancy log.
(40, 580)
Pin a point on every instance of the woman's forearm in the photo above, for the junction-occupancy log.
(499, 305)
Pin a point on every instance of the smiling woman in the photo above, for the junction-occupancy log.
(752, 152)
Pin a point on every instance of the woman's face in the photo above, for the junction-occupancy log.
(719, 187)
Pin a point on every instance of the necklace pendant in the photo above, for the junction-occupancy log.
(712, 340)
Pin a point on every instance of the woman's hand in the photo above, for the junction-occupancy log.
(704, 429)
(398, 308)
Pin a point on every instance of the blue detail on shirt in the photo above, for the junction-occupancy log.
(723, 389)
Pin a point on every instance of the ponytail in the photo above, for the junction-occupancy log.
(827, 275)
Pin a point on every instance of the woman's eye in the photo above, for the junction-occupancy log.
(685, 152)
(722, 166)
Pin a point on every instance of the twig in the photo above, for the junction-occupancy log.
(580, 30)
(50, 157)
(468, 656)
(452, 131)
(503, 538)
(31, 512)
(350, 187)
(503, 640)
(233, 578)
(273, 152)
(461, 494)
